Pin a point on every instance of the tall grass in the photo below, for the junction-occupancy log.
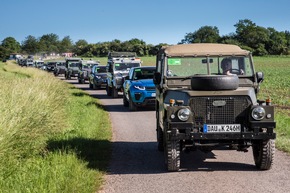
(53, 137)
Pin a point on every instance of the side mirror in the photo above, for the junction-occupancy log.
(157, 78)
(260, 77)
(126, 78)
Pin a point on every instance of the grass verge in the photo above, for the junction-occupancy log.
(54, 138)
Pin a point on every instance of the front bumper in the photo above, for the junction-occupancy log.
(186, 131)
(100, 82)
(143, 98)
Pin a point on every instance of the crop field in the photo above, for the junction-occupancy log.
(277, 86)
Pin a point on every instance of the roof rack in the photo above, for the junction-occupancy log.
(121, 55)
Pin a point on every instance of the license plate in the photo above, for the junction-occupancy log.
(153, 94)
(228, 128)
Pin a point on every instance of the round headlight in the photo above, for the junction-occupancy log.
(258, 113)
(183, 114)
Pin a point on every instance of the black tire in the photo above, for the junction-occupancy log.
(159, 138)
(94, 87)
(109, 90)
(159, 132)
(214, 82)
(125, 101)
(264, 152)
(172, 154)
(115, 92)
(132, 106)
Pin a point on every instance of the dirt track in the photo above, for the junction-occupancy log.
(137, 165)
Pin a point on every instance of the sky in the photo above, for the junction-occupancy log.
(153, 21)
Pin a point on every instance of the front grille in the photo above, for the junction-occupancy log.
(219, 110)
(150, 88)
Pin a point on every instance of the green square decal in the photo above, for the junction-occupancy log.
(174, 61)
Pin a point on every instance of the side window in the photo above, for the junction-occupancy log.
(94, 69)
(131, 74)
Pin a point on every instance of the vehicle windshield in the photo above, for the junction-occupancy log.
(143, 73)
(101, 69)
(60, 64)
(86, 67)
(188, 66)
(125, 66)
(74, 64)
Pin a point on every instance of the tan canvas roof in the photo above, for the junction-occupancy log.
(204, 49)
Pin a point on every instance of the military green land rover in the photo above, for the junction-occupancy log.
(206, 98)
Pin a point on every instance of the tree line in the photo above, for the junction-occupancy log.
(257, 39)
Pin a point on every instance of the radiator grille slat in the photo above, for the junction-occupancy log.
(219, 110)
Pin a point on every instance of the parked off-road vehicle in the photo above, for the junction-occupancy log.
(72, 67)
(199, 106)
(119, 64)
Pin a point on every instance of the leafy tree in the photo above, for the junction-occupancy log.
(11, 45)
(30, 45)
(49, 43)
(115, 45)
(243, 29)
(104, 49)
(229, 39)
(154, 49)
(205, 34)
(3, 53)
(277, 43)
(287, 37)
(65, 45)
(253, 36)
(79, 47)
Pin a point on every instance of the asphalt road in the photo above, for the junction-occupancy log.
(138, 167)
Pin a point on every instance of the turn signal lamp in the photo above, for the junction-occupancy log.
(268, 101)
(171, 102)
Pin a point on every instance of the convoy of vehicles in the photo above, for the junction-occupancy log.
(139, 89)
(197, 104)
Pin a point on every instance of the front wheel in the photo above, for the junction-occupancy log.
(115, 92)
(160, 134)
(172, 154)
(263, 152)
(125, 101)
(109, 90)
(132, 106)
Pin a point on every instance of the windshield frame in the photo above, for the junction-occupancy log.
(179, 66)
